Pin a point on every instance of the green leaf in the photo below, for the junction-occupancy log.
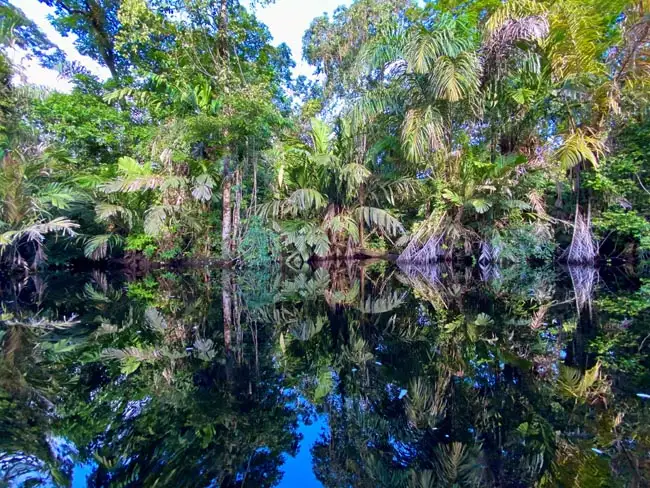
(481, 205)
(452, 197)
(129, 365)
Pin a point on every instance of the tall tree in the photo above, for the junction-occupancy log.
(331, 45)
(95, 24)
(214, 73)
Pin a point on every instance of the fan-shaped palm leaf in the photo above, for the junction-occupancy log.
(155, 220)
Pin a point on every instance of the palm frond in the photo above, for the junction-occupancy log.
(394, 191)
(105, 211)
(38, 231)
(305, 200)
(426, 403)
(354, 175)
(457, 465)
(129, 167)
(377, 217)
(134, 184)
(382, 303)
(342, 223)
(97, 247)
(374, 103)
(173, 182)
(155, 219)
(578, 146)
(155, 320)
(514, 10)
(202, 187)
(308, 238)
(480, 205)
(582, 387)
(422, 132)
(58, 196)
(320, 136)
(270, 210)
(455, 79)
(385, 48)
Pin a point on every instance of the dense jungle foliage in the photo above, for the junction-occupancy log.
(485, 129)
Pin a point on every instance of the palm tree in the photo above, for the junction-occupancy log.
(430, 83)
(478, 198)
(566, 55)
(322, 196)
(32, 202)
(31, 195)
(446, 86)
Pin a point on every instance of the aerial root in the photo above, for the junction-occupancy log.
(429, 252)
(584, 279)
(583, 248)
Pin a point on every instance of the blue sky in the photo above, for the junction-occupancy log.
(287, 20)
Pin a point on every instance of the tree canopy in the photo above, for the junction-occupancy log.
(446, 130)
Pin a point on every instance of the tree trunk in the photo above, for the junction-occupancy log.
(362, 284)
(226, 214)
(361, 234)
(207, 244)
(254, 191)
(109, 60)
(223, 28)
(236, 214)
(226, 302)
(239, 334)
(95, 14)
(362, 201)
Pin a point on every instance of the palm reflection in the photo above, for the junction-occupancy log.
(425, 377)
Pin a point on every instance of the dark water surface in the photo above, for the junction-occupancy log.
(360, 375)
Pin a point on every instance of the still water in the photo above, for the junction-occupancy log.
(362, 375)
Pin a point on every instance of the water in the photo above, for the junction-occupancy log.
(361, 375)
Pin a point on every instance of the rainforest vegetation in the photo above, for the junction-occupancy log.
(451, 129)
(454, 137)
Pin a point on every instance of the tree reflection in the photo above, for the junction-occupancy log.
(425, 376)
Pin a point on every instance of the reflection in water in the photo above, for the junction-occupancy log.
(361, 375)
